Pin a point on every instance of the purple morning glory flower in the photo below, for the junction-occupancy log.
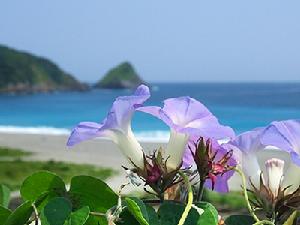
(186, 116)
(257, 156)
(246, 146)
(284, 135)
(116, 126)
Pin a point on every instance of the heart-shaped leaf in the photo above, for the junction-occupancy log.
(40, 183)
(94, 193)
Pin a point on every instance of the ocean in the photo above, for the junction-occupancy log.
(243, 106)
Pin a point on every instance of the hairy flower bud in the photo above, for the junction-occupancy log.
(274, 174)
(156, 174)
(212, 160)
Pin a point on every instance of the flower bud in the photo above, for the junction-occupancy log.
(274, 174)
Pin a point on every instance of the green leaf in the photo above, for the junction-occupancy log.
(171, 212)
(94, 193)
(21, 215)
(153, 217)
(127, 218)
(4, 214)
(40, 183)
(80, 216)
(4, 195)
(138, 209)
(239, 220)
(56, 212)
(210, 214)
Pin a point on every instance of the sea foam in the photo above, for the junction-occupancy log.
(34, 130)
(144, 136)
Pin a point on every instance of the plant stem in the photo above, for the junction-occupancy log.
(161, 196)
(264, 222)
(244, 186)
(200, 190)
(190, 198)
(152, 201)
(97, 214)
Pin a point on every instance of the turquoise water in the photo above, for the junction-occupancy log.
(242, 106)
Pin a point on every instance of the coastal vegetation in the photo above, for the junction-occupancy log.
(24, 72)
(121, 76)
(15, 166)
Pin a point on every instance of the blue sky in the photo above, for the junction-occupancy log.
(169, 40)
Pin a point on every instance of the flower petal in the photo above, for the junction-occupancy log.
(208, 127)
(123, 108)
(292, 177)
(284, 135)
(85, 131)
(245, 147)
(248, 141)
(187, 115)
(116, 126)
(221, 182)
(175, 149)
(184, 110)
(153, 110)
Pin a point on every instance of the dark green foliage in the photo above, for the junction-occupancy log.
(56, 212)
(170, 214)
(4, 214)
(94, 193)
(239, 220)
(122, 76)
(55, 205)
(21, 215)
(24, 72)
(138, 213)
(90, 201)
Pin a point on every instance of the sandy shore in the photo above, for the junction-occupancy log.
(97, 152)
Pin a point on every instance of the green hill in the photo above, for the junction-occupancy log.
(121, 76)
(24, 72)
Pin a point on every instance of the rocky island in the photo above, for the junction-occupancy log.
(22, 72)
(121, 76)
